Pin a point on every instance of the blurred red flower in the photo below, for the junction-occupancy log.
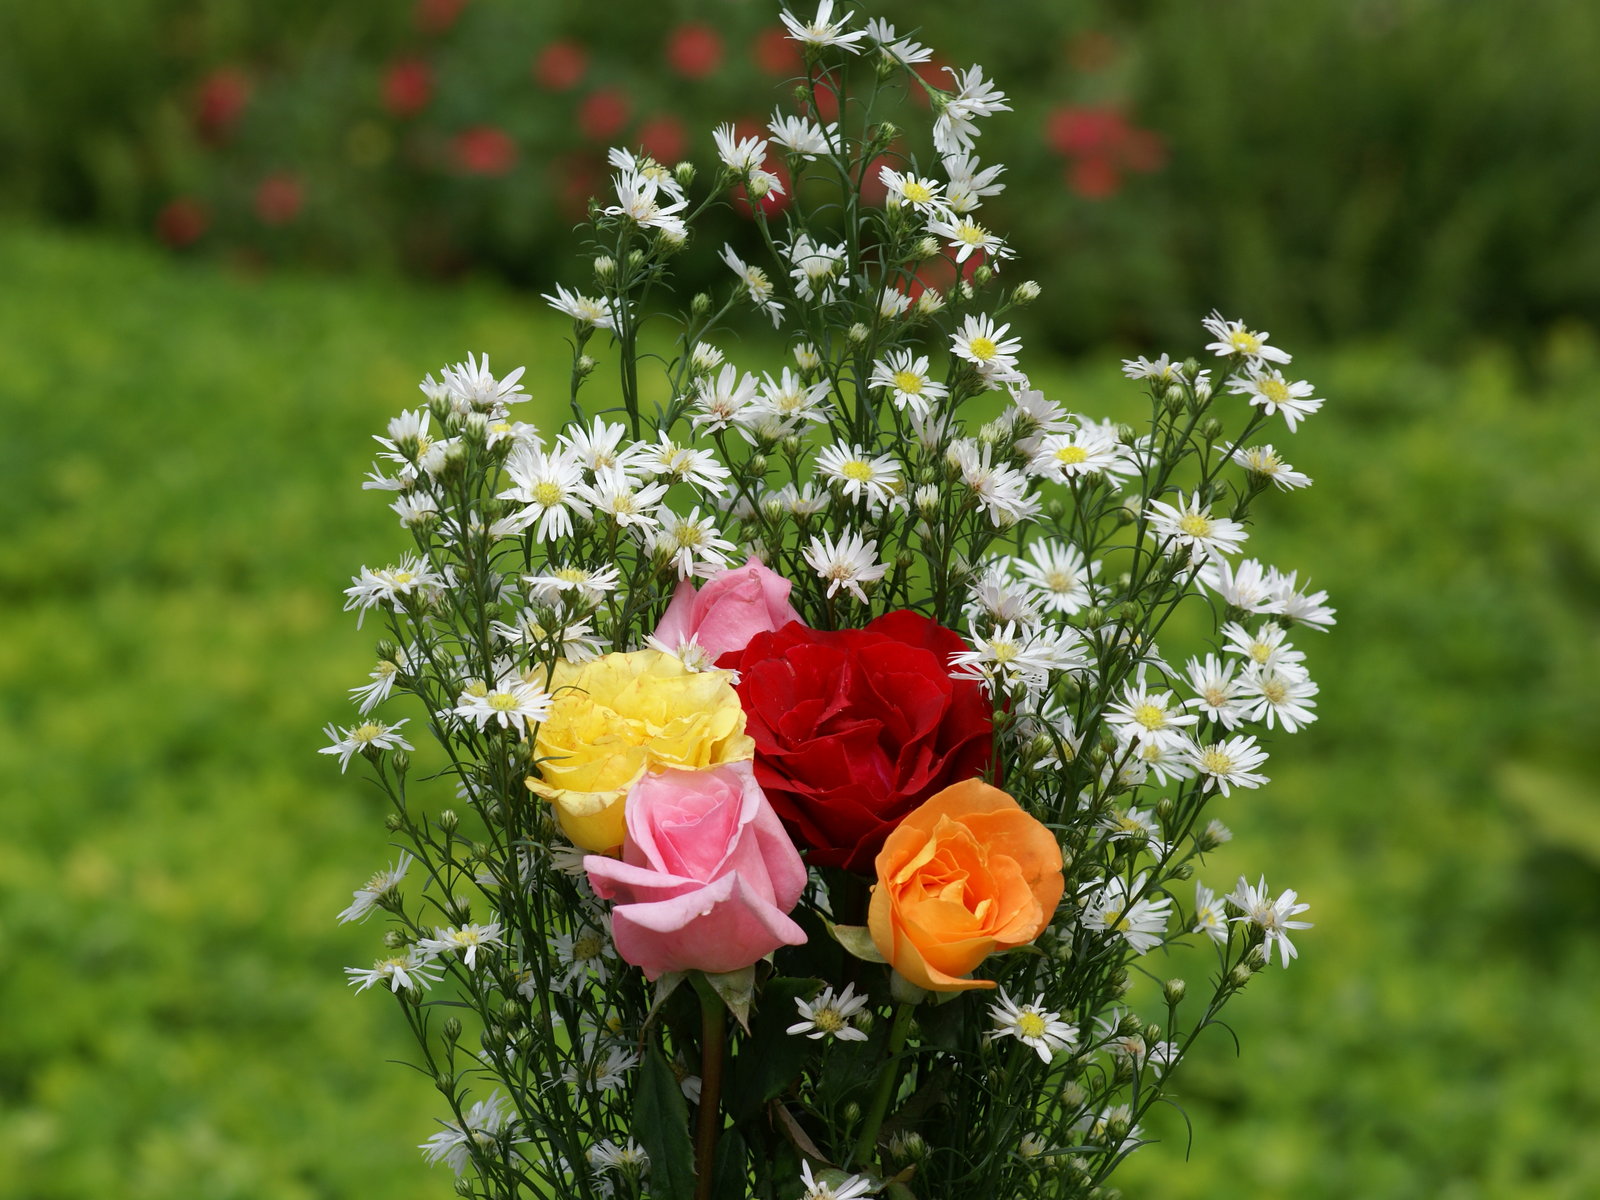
(484, 150)
(437, 16)
(663, 138)
(694, 50)
(776, 53)
(182, 222)
(602, 114)
(279, 198)
(1102, 144)
(560, 66)
(579, 179)
(407, 86)
(219, 102)
(1094, 178)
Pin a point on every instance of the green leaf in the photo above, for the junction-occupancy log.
(736, 989)
(661, 1123)
(770, 1060)
(731, 1176)
(857, 940)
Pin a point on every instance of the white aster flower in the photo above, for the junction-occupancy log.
(692, 543)
(1011, 657)
(547, 485)
(1278, 697)
(851, 1187)
(956, 126)
(412, 971)
(1233, 338)
(512, 703)
(1217, 695)
(704, 358)
(1084, 450)
(787, 401)
(814, 267)
(829, 1015)
(739, 155)
(969, 182)
(1209, 916)
(859, 475)
(997, 596)
(598, 445)
(368, 696)
(756, 284)
(1167, 760)
(1246, 586)
(847, 563)
(1111, 908)
(720, 400)
(891, 44)
(470, 386)
(1229, 764)
(636, 200)
(913, 191)
(367, 896)
(905, 374)
(1303, 608)
(1269, 389)
(1265, 462)
(1058, 576)
(467, 939)
(801, 137)
(690, 653)
(698, 468)
(1002, 492)
(487, 1124)
(386, 586)
(587, 584)
(1147, 716)
(966, 237)
(628, 163)
(620, 497)
(1162, 370)
(1136, 825)
(369, 735)
(628, 1159)
(600, 1067)
(593, 312)
(1033, 1025)
(1192, 525)
(1265, 648)
(803, 501)
(823, 30)
(985, 346)
(1270, 916)
(572, 640)
(585, 955)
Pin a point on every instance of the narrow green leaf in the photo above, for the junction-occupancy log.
(661, 1123)
(857, 940)
(736, 989)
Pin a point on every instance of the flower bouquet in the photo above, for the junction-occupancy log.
(809, 798)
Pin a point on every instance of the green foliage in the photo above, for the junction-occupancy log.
(183, 510)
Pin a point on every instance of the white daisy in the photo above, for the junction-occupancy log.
(847, 563)
(1303, 608)
(1031, 1024)
(584, 955)
(471, 386)
(587, 584)
(1278, 697)
(787, 401)
(369, 695)
(1244, 586)
(1084, 450)
(1229, 764)
(814, 266)
(739, 155)
(367, 896)
(905, 374)
(1233, 338)
(692, 543)
(966, 237)
(547, 485)
(829, 1015)
(1209, 916)
(636, 200)
(468, 939)
(602, 1067)
(1271, 390)
(823, 30)
(619, 496)
(357, 739)
(1011, 657)
(907, 190)
(721, 400)
(1002, 492)
(628, 1159)
(412, 576)
(802, 138)
(1110, 907)
(985, 346)
(851, 1187)
(859, 475)
(1058, 575)
(1217, 696)
(1265, 648)
(512, 703)
(412, 971)
(969, 182)
(485, 1126)
(589, 311)
(974, 96)
(756, 284)
(1270, 916)
(1147, 716)
(1193, 526)
(1265, 462)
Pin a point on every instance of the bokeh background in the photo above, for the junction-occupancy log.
(232, 238)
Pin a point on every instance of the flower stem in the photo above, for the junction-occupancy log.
(888, 1076)
(708, 1122)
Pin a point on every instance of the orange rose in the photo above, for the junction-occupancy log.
(966, 874)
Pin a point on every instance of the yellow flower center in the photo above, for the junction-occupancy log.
(828, 1020)
(1060, 581)
(689, 536)
(1215, 762)
(547, 494)
(982, 348)
(1030, 1024)
(1003, 652)
(1244, 342)
(1274, 691)
(1275, 390)
(856, 469)
(1115, 919)
(572, 575)
(1150, 716)
(1260, 651)
(586, 947)
(365, 733)
(908, 382)
(1195, 525)
(916, 191)
(1072, 455)
(972, 235)
(502, 701)
(403, 577)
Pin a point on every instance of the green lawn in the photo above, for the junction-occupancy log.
(183, 508)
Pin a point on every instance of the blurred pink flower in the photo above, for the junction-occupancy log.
(560, 66)
(484, 150)
(407, 86)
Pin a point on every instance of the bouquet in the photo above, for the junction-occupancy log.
(809, 801)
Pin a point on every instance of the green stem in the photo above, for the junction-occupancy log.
(708, 1122)
(887, 1078)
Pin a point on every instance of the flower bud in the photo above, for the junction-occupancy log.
(451, 1030)
(1165, 808)
(1174, 990)
(908, 1146)
(464, 1188)
(448, 820)
(1120, 983)
(392, 822)
(1025, 292)
(400, 761)
(925, 247)
(700, 305)
(394, 939)
(1240, 976)
(444, 1081)
(1213, 835)
(758, 186)
(635, 259)
(858, 333)
(684, 173)
(583, 366)
(851, 1113)
(1211, 430)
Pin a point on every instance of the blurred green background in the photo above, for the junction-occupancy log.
(236, 235)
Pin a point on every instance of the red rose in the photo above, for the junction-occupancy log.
(856, 728)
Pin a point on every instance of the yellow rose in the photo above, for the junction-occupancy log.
(619, 716)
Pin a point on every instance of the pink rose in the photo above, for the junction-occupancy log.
(730, 610)
(707, 875)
